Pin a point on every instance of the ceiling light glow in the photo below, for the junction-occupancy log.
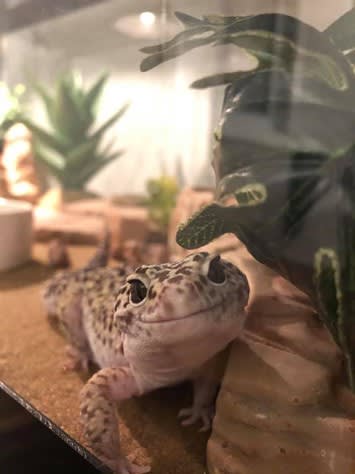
(147, 18)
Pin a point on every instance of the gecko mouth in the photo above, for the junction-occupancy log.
(181, 318)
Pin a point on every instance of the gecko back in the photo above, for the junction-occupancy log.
(63, 295)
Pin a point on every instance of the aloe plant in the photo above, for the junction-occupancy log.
(286, 155)
(72, 148)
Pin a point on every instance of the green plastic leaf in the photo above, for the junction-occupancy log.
(350, 56)
(108, 149)
(81, 153)
(188, 20)
(49, 139)
(53, 160)
(327, 284)
(237, 77)
(110, 122)
(275, 40)
(175, 50)
(71, 151)
(95, 166)
(342, 31)
(203, 227)
(68, 118)
(281, 52)
(94, 93)
(47, 100)
(252, 194)
(195, 27)
(178, 39)
(218, 20)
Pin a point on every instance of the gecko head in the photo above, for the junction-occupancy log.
(185, 300)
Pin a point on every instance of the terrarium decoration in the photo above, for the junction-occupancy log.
(72, 150)
(18, 174)
(161, 200)
(285, 155)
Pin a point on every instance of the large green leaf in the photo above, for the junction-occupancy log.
(51, 140)
(275, 40)
(93, 94)
(239, 78)
(82, 153)
(178, 39)
(176, 49)
(326, 278)
(276, 50)
(54, 161)
(188, 20)
(47, 100)
(109, 150)
(68, 117)
(204, 226)
(342, 31)
(95, 166)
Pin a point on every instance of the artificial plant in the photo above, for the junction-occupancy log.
(285, 154)
(72, 149)
(161, 200)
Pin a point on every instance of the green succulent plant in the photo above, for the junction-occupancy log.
(72, 149)
(161, 200)
(285, 155)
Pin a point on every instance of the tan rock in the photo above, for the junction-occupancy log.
(128, 223)
(73, 229)
(51, 200)
(18, 165)
(82, 221)
(279, 410)
(88, 207)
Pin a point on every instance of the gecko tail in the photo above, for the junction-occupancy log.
(102, 254)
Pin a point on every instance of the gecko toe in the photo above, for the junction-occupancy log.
(125, 466)
(193, 414)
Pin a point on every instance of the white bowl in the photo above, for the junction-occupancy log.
(15, 233)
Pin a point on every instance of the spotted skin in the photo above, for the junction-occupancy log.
(155, 327)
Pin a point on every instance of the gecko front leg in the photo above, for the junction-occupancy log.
(98, 413)
(205, 386)
(203, 404)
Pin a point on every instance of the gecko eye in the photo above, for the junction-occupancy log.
(216, 271)
(138, 291)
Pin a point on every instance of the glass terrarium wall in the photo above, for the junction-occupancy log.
(167, 127)
(283, 159)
